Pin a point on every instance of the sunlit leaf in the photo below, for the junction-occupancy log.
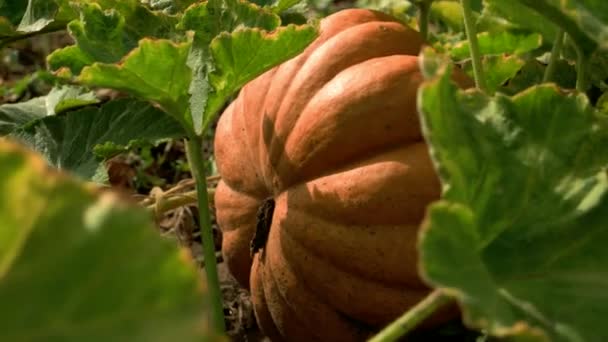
(208, 20)
(245, 54)
(155, 71)
(107, 30)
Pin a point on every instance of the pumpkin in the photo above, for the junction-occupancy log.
(325, 170)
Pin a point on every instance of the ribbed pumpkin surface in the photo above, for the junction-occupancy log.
(333, 137)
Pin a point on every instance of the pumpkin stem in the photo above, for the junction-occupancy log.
(262, 229)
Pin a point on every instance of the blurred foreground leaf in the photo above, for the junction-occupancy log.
(82, 265)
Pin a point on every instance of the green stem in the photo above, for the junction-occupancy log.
(49, 29)
(471, 32)
(582, 62)
(412, 317)
(555, 54)
(197, 166)
(424, 10)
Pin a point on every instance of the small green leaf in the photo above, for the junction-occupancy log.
(68, 141)
(156, 71)
(13, 116)
(99, 34)
(448, 12)
(519, 237)
(71, 57)
(89, 266)
(63, 98)
(41, 13)
(497, 43)
(498, 70)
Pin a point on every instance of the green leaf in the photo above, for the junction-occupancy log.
(68, 141)
(12, 10)
(107, 30)
(13, 116)
(559, 14)
(208, 20)
(40, 14)
(497, 43)
(89, 266)
(519, 237)
(245, 54)
(531, 73)
(498, 70)
(448, 12)
(155, 71)
(521, 16)
(591, 16)
(63, 98)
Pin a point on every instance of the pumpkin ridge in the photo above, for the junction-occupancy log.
(304, 299)
(302, 156)
(352, 163)
(360, 305)
(347, 267)
(329, 60)
(287, 72)
(255, 121)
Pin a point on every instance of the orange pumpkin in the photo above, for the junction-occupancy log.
(332, 138)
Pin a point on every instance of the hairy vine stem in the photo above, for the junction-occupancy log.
(197, 165)
(582, 63)
(555, 53)
(471, 32)
(412, 317)
(424, 10)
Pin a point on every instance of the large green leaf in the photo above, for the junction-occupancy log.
(208, 20)
(107, 30)
(81, 265)
(519, 237)
(155, 71)
(68, 141)
(244, 54)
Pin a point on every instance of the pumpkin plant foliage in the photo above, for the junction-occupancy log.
(518, 237)
(81, 264)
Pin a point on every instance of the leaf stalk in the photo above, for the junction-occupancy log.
(197, 166)
(555, 54)
(409, 320)
(471, 32)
